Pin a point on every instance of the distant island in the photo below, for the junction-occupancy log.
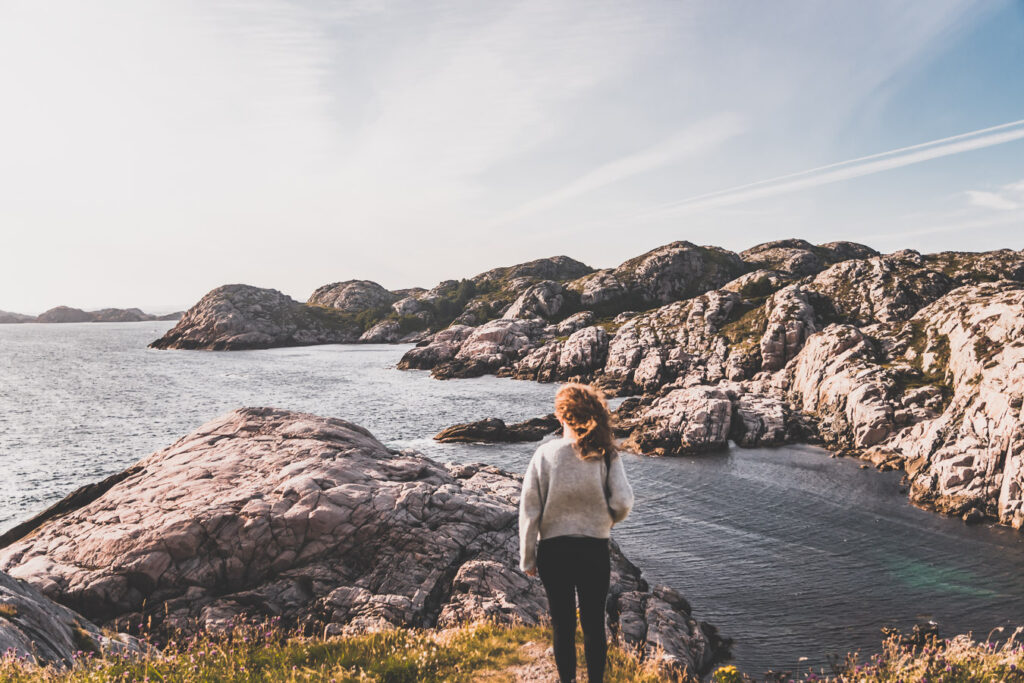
(66, 314)
(914, 362)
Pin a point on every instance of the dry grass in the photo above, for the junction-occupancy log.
(482, 651)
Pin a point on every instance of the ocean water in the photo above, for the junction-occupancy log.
(788, 551)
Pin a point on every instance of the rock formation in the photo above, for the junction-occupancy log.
(34, 627)
(65, 314)
(494, 430)
(787, 341)
(269, 512)
(353, 296)
(244, 317)
(10, 318)
(675, 271)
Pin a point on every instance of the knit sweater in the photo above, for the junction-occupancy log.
(564, 495)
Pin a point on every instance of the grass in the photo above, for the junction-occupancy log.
(482, 651)
(956, 660)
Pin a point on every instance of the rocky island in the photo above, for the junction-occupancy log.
(269, 513)
(66, 314)
(913, 361)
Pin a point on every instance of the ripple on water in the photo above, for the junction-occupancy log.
(786, 550)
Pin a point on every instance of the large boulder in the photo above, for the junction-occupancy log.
(36, 628)
(683, 422)
(267, 512)
(439, 349)
(353, 296)
(494, 430)
(546, 299)
(576, 358)
(837, 377)
(490, 347)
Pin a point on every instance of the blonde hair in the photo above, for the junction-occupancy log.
(585, 410)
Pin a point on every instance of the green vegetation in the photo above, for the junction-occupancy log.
(476, 652)
(746, 325)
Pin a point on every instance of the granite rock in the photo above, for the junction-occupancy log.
(266, 512)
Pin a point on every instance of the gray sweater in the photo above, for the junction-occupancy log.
(564, 495)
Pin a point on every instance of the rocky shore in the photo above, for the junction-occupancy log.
(66, 314)
(912, 361)
(269, 513)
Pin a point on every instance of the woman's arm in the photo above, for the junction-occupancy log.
(531, 505)
(621, 501)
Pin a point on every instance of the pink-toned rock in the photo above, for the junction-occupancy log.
(973, 338)
(836, 377)
(35, 628)
(441, 348)
(684, 421)
(244, 317)
(266, 512)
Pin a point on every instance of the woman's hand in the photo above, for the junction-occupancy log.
(531, 572)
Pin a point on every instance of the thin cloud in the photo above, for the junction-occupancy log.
(990, 200)
(851, 168)
(699, 137)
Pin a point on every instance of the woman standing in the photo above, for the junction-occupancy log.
(575, 489)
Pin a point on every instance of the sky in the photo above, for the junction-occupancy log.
(151, 151)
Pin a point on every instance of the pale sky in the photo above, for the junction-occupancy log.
(150, 151)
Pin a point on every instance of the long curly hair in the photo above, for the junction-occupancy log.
(585, 410)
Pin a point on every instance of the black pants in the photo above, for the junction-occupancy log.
(571, 566)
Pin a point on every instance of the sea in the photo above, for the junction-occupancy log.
(795, 555)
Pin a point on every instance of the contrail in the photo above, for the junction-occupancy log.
(851, 168)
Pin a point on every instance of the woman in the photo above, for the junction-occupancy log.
(571, 498)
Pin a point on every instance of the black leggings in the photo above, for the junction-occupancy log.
(571, 566)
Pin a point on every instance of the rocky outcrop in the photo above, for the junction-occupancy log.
(837, 378)
(11, 318)
(685, 421)
(558, 268)
(546, 299)
(679, 270)
(385, 332)
(680, 340)
(797, 258)
(441, 348)
(576, 358)
(353, 296)
(34, 627)
(494, 430)
(971, 454)
(491, 346)
(64, 314)
(269, 512)
(880, 289)
(790, 319)
(244, 317)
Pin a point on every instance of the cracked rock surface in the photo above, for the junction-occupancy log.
(33, 626)
(267, 512)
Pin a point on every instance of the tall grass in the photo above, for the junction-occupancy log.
(482, 651)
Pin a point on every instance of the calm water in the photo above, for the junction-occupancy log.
(790, 552)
